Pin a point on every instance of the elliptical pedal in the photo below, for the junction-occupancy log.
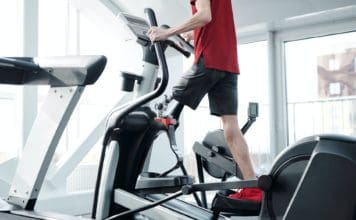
(154, 183)
(150, 182)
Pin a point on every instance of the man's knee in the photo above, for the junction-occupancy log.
(230, 122)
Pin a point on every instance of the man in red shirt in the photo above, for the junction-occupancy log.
(215, 73)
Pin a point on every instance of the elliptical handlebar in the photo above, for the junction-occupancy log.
(119, 113)
(178, 48)
(178, 43)
(151, 16)
(161, 56)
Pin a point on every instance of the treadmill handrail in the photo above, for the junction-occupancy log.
(17, 63)
(54, 71)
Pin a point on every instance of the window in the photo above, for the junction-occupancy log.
(10, 40)
(53, 20)
(252, 87)
(65, 30)
(53, 40)
(321, 85)
(10, 96)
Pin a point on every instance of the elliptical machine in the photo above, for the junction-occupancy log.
(132, 129)
(306, 179)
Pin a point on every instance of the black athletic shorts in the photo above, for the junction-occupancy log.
(220, 86)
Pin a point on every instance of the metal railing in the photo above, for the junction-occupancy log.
(332, 115)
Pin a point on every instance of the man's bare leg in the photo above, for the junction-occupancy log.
(238, 146)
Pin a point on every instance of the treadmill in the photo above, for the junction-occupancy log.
(67, 77)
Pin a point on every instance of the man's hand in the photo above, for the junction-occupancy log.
(158, 34)
(188, 36)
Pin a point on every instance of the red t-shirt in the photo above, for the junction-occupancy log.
(216, 41)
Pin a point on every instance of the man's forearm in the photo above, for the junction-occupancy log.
(197, 21)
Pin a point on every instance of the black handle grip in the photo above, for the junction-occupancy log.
(265, 182)
(160, 55)
(151, 17)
